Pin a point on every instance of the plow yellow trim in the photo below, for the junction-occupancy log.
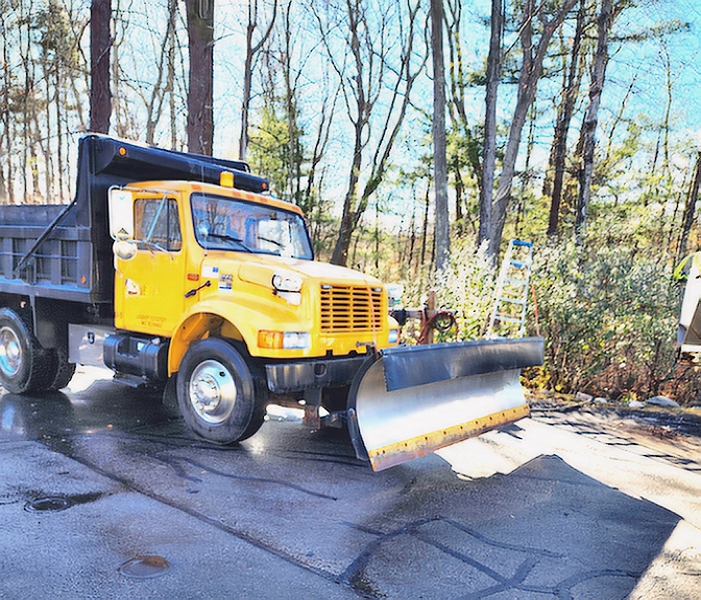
(396, 453)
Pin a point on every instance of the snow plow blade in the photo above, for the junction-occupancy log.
(413, 400)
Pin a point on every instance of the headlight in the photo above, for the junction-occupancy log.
(299, 340)
(287, 282)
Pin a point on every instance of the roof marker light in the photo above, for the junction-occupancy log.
(226, 179)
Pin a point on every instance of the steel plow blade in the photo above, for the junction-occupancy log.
(413, 400)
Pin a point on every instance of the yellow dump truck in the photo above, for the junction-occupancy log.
(184, 270)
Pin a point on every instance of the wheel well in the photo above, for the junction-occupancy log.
(13, 301)
(198, 327)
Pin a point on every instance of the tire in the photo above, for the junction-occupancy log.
(64, 370)
(24, 365)
(218, 396)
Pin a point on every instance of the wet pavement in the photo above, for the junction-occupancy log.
(105, 494)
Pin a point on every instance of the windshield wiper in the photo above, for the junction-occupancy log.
(274, 243)
(230, 238)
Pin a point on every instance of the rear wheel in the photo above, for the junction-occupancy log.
(218, 395)
(64, 370)
(24, 365)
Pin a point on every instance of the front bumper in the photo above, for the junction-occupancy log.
(316, 373)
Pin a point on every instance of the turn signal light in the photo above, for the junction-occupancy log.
(270, 339)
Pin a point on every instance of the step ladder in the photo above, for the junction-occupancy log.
(508, 318)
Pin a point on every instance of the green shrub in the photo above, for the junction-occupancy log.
(609, 316)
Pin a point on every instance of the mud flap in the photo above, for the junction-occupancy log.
(410, 401)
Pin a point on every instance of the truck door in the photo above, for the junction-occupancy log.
(150, 288)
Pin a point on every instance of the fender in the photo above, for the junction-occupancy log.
(240, 320)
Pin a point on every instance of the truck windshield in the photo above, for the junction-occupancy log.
(231, 224)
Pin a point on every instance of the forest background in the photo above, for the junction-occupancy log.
(573, 124)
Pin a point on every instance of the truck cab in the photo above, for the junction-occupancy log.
(184, 249)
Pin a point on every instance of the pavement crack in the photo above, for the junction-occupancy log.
(174, 463)
(523, 570)
(563, 590)
(354, 575)
(265, 480)
(515, 547)
(462, 557)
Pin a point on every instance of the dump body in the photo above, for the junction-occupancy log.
(181, 269)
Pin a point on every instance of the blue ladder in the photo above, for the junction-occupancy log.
(508, 318)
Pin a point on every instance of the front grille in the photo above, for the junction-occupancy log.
(350, 308)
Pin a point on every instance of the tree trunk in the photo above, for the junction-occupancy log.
(424, 229)
(439, 139)
(170, 80)
(200, 96)
(100, 46)
(6, 146)
(598, 74)
(558, 155)
(490, 124)
(689, 210)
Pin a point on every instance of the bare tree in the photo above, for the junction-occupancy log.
(165, 71)
(7, 22)
(252, 49)
(200, 96)
(295, 60)
(363, 63)
(596, 85)
(464, 144)
(100, 46)
(532, 56)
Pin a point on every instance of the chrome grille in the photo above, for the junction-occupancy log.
(350, 308)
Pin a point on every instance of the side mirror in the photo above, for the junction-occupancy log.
(124, 249)
(121, 218)
(121, 214)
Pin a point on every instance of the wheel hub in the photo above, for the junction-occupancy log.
(207, 393)
(212, 392)
(10, 352)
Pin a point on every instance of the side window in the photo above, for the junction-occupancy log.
(156, 221)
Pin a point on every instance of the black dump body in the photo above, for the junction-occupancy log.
(64, 252)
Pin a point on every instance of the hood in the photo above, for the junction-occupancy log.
(260, 270)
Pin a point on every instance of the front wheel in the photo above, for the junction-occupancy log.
(218, 396)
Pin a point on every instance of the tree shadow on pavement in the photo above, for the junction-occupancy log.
(545, 530)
